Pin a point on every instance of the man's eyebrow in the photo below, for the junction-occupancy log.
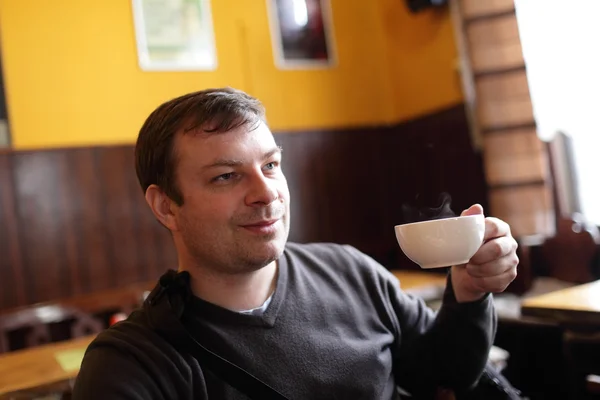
(230, 162)
(271, 153)
(223, 162)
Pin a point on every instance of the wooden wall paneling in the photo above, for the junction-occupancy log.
(432, 161)
(504, 101)
(440, 162)
(484, 8)
(115, 168)
(407, 169)
(495, 44)
(87, 202)
(71, 206)
(154, 245)
(506, 113)
(338, 202)
(359, 179)
(515, 156)
(330, 174)
(528, 209)
(516, 164)
(507, 85)
(82, 225)
(354, 158)
(334, 199)
(348, 186)
(45, 222)
(12, 280)
(130, 248)
(395, 155)
(304, 166)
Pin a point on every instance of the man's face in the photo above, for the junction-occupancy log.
(235, 212)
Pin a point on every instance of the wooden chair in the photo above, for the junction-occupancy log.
(35, 322)
(570, 255)
(81, 310)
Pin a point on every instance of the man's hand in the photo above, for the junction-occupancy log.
(492, 268)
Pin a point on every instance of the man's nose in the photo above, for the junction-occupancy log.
(263, 191)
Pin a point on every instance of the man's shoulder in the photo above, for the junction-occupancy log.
(134, 338)
(132, 330)
(132, 358)
(338, 258)
(323, 251)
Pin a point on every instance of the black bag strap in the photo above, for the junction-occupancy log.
(166, 303)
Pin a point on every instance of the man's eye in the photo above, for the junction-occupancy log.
(271, 165)
(224, 177)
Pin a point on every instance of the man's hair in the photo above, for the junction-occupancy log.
(211, 110)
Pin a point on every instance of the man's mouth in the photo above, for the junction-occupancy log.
(262, 227)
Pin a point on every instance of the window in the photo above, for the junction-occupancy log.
(561, 47)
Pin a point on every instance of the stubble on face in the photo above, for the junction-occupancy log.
(232, 250)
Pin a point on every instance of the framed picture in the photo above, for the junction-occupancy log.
(302, 33)
(174, 35)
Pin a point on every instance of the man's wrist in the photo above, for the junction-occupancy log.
(467, 297)
(462, 294)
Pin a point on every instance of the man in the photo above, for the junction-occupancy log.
(316, 321)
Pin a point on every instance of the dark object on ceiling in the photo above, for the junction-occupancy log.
(419, 5)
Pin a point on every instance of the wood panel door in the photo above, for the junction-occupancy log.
(516, 163)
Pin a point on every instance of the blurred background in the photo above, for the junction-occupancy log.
(378, 105)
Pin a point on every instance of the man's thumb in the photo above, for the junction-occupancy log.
(475, 209)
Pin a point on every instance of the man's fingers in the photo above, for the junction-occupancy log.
(495, 228)
(493, 250)
(475, 209)
(494, 268)
(495, 284)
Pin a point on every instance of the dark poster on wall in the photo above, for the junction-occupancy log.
(302, 33)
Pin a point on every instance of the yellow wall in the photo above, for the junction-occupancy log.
(422, 60)
(72, 77)
(355, 92)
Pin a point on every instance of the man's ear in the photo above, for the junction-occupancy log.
(162, 207)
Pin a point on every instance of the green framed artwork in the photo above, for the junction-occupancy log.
(174, 35)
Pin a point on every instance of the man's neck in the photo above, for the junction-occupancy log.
(237, 292)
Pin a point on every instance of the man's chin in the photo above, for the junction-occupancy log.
(264, 254)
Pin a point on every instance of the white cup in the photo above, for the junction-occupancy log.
(442, 242)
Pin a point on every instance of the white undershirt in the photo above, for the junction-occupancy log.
(259, 310)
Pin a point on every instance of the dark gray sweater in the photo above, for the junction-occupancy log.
(338, 327)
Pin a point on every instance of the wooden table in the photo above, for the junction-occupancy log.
(575, 306)
(428, 285)
(38, 366)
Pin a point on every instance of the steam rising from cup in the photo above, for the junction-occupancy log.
(418, 214)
